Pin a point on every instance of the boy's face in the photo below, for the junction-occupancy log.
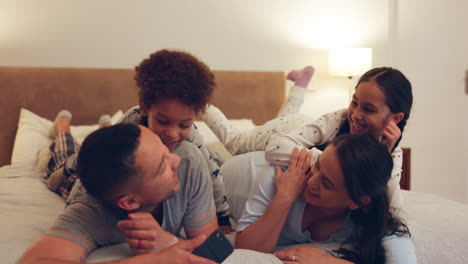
(170, 119)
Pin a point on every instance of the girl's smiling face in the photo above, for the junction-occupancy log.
(368, 112)
(326, 185)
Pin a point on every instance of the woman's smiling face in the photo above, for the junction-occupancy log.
(326, 185)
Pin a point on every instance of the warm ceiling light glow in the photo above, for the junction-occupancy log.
(349, 61)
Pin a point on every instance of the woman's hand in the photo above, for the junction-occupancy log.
(307, 255)
(291, 183)
(390, 135)
(144, 234)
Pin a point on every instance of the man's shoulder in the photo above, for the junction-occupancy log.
(188, 150)
(80, 200)
(88, 224)
(193, 165)
(83, 211)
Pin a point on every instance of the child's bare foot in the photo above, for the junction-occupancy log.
(301, 77)
(61, 124)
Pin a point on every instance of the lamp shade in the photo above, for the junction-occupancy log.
(349, 61)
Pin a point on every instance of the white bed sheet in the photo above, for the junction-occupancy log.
(439, 228)
(27, 210)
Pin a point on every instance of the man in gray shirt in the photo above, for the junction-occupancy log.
(129, 191)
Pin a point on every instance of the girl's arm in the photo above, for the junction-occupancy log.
(311, 134)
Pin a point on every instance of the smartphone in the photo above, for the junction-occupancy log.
(216, 247)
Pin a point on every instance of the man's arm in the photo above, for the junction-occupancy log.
(55, 250)
(52, 249)
(200, 211)
(144, 234)
(206, 229)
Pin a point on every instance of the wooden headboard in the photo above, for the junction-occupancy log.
(405, 181)
(89, 93)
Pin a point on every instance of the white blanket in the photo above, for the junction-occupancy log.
(438, 227)
(27, 210)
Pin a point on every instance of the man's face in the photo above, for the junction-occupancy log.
(157, 169)
(170, 119)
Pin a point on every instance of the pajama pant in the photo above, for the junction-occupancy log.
(256, 139)
(62, 149)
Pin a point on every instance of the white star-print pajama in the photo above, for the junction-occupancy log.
(290, 129)
(238, 142)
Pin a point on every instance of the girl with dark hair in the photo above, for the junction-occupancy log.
(381, 106)
(341, 199)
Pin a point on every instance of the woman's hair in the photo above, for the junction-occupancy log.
(170, 74)
(398, 94)
(367, 167)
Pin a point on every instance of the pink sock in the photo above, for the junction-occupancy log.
(301, 77)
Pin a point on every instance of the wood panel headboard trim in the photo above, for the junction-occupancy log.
(405, 180)
(89, 93)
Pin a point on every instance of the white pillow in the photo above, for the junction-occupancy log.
(33, 135)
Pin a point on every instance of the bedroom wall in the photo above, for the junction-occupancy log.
(273, 35)
(228, 35)
(431, 47)
(246, 35)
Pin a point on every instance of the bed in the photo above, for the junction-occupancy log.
(31, 97)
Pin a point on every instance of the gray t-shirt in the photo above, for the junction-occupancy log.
(133, 115)
(92, 224)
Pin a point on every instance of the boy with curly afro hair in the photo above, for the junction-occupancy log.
(176, 75)
(174, 86)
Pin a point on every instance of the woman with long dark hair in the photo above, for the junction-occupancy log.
(341, 199)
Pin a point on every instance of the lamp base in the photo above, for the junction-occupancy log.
(350, 88)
